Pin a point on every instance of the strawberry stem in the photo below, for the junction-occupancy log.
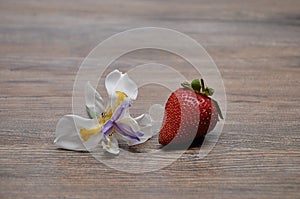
(199, 87)
(187, 85)
(196, 85)
(202, 86)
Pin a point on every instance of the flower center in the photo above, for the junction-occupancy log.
(86, 134)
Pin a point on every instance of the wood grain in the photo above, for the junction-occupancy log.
(256, 46)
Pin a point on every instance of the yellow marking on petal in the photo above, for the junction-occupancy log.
(121, 97)
(108, 115)
(101, 120)
(105, 116)
(86, 134)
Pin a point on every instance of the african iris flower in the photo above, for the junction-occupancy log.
(106, 125)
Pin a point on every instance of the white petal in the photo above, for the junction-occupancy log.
(113, 101)
(146, 120)
(130, 122)
(148, 133)
(94, 140)
(149, 127)
(127, 86)
(111, 81)
(93, 99)
(116, 81)
(67, 133)
(143, 120)
(145, 125)
(111, 147)
(156, 126)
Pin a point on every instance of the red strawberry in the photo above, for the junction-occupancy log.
(189, 113)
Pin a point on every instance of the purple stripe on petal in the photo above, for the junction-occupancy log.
(130, 135)
(128, 129)
(119, 112)
(125, 129)
(107, 127)
(106, 136)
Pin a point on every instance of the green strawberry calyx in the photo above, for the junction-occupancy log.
(198, 87)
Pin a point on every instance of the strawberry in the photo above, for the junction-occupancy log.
(189, 113)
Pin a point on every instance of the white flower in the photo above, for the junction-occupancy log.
(107, 124)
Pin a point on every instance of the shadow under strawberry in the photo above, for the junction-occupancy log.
(197, 143)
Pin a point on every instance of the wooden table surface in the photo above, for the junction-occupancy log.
(256, 45)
